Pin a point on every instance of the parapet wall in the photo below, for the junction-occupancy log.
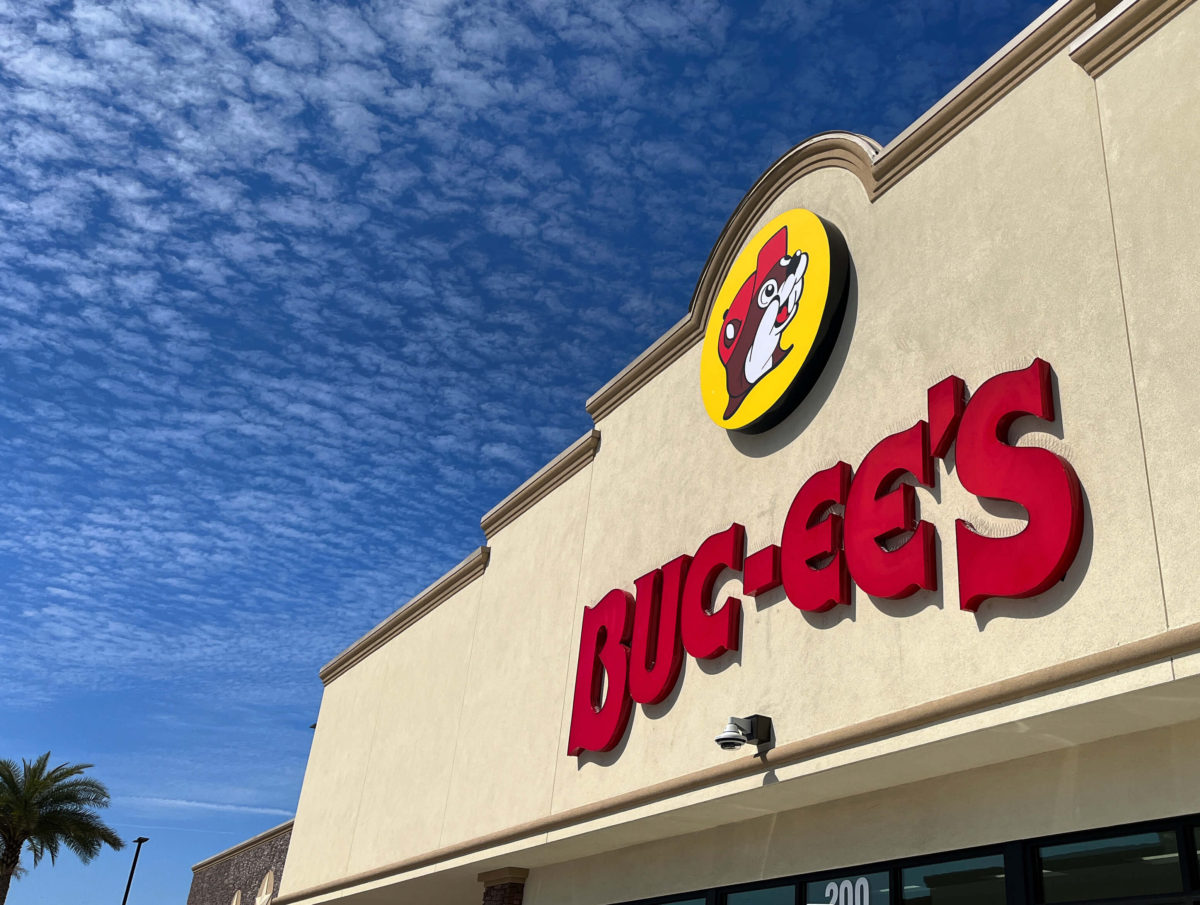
(252, 870)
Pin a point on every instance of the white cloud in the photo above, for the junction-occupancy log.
(174, 803)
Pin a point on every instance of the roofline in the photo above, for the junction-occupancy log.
(1096, 34)
(877, 168)
(429, 599)
(1124, 27)
(262, 837)
(554, 473)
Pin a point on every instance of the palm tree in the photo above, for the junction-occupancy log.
(49, 808)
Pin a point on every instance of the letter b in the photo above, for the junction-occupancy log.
(596, 724)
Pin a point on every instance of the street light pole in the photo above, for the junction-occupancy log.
(137, 851)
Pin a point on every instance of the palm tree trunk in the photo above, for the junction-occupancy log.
(9, 859)
(5, 879)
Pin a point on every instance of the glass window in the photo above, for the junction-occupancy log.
(965, 881)
(1135, 865)
(852, 889)
(776, 895)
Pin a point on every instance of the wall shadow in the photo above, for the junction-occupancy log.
(729, 658)
(1048, 601)
(770, 598)
(835, 616)
(607, 758)
(922, 599)
(663, 707)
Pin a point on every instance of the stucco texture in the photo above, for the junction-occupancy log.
(1071, 789)
(1151, 121)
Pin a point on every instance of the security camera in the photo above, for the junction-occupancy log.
(754, 730)
(734, 735)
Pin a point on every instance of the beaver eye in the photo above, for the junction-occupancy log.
(768, 291)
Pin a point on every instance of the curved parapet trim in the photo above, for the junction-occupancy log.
(1117, 26)
(843, 150)
(878, 169)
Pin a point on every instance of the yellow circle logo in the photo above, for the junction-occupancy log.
(774, 322)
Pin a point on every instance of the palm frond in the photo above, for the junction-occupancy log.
(52, 808)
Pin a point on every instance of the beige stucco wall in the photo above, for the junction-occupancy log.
(1151, 120)
(997, 250)
(1094, 785)
(524, 643)
(392, 716)
(1001, 247)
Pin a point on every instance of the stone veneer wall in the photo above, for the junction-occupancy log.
(214, 882)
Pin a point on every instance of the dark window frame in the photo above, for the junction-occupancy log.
(1021, 868)
(1184, 827)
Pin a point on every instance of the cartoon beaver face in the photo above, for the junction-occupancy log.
(752, 329)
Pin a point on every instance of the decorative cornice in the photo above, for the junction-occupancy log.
(878, 169)
(252, 842)
(1042, 39)
(1120, 31)
(1154, 649)
(567, 463)
(442, 589)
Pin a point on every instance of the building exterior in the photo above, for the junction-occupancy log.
(984, 689)
(246, 874)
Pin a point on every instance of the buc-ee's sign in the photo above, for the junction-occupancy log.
(774, 322)
(637, 641)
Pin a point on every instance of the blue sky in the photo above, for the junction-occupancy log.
(291, 293)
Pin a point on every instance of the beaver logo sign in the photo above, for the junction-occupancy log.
(774, 322)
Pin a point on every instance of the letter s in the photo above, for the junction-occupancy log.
(1037, 479)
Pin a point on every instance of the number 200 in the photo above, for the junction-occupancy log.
(849, 892)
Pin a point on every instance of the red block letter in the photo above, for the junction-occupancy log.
(657, 654)
(707, 634)
(809, 538)
(1045, 484)
(597, 726)
(875, 515)
(946, 402)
